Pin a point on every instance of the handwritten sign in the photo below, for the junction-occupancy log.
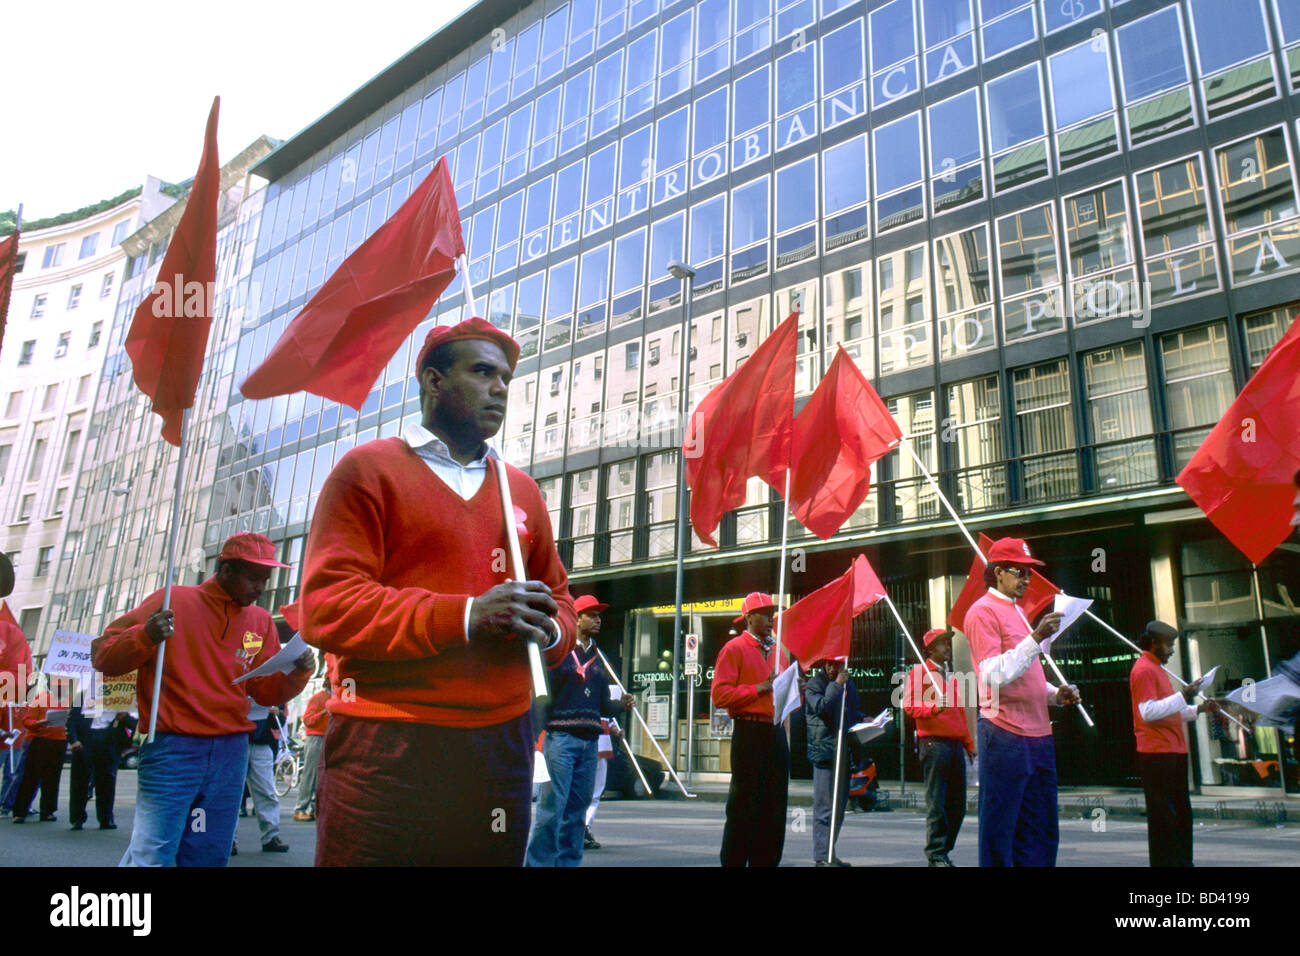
(69, 655)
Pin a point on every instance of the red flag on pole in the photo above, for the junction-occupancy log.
(742, 428)
(840, 433)
(1241, 476)
(8, 268)
(1037, 598)
(6, 615)
(819, 627)
(341, 340)
(169, 332)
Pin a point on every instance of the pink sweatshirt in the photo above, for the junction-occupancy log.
(994, 627)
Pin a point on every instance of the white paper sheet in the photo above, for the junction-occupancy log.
(1207, 680)
(785, 693)
(1071, 609)
(281, 663)
(871, 729)
(1273, 699)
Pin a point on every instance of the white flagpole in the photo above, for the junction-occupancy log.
(980, 554)
(839, 753)
(645, 729)
(916, 650)
(470, 305)
(173, 534)
(540, 692)
(785, 539)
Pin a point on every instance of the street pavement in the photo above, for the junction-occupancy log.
(687, 833)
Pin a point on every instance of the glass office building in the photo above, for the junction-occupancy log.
(1057, 236)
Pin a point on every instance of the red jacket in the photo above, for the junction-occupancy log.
(34, 714)
(315, 716)
(920, 704)
(215, 641)
(1148, 681)
(393, 558)
(740, 668)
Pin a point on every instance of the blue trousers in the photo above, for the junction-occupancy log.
(187, 800)
(562, 810)
(1018, 825)
(11, 779)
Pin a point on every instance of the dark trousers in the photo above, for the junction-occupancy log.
(1018, 815)
(1169, 810)
(44, 767)
(943, 764)
(394, 794)
(96, 761)
(760, 775)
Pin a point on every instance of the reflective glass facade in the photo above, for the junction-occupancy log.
(1051, 233)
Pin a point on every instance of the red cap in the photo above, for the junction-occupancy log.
(755, 601)
(474, 328)
(1011, 551)
(934, 634)
(588, 603)
(251, 547)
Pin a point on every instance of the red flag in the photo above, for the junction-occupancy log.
(8, 268)
(338, 345)
(819, 627)
(169, 332)
(1037, 598)
(742, 428)
(6, 615)
(1241, 476)
(843, 429)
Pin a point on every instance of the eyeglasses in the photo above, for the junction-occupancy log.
(1018, 572)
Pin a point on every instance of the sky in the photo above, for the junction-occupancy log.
(101, 94)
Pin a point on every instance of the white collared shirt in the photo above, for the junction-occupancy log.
(465, 480)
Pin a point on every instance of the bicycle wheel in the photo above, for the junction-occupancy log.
(285, 775)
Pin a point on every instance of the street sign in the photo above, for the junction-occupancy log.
(692, 668)
(692, 650)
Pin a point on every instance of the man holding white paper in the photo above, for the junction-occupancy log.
(830, 694)
(191, 776)
(743, 676)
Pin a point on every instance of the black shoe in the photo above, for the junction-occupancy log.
(78, 825)
(110, 825)
(589, 842)
(234, 848)
(821, 863)
(836, 861)
(19, 818)
(941, 861)
(50, 818)
(274, 845)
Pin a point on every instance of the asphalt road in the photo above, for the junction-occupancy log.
(681, 833)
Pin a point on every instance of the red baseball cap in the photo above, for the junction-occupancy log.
(474, 328)
(251, 547)
(588, 603)
(1011, 551)
(934, 634)
(755, 601)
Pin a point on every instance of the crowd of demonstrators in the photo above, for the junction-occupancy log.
(428, 756)
(580, 697)
(96, 740)
(754, 834)
(943, 743)
(829, 695)
(190, 777)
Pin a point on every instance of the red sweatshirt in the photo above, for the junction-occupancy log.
(921, 704)
(315, 717)
(740, 668)
(393, 558)
(1148, 681)
(215, 641)
(35, 713)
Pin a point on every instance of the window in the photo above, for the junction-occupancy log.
(898, 172)
(65, 339)
(1264, 330)
(796, 207)
(106, 287)
(1045, 428)
(74, 297)
(1176, 232)
(633, 356)
(37, 460)
(965, 291)
(674, 56)
(913, 496)
(120, 231)
(620, 509)
(88, 246)
(96, 331)
(1257, 191)
(83, 388)
(70, 452)
(661, 502)
(25, 507)
(1027, 258)
(582, 517)
(956, 174)
(43, 557)
(844, 192)
(60, 501)
(1238, 55)
(1005, 25)
(1104, 284)
(848, 314)
(893, 52)
(25, 355)
(749, 225)
(903, 298)
(14, 405)
(1153, 67)
(1083, 103)
(1016, 128)
(949, 41)
(38, 305)
(1198, 384)
(842, 67)
(975, 420)
(53, 256)
(1119, 407)
(6, 452)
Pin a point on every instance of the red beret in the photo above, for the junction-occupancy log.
(474, 328)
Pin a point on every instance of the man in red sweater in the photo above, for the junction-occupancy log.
(428, 754)
(943, 741)
(15, 674)
(45, 752)
(1159, 713)
(314, 721)
(191, 777)
(760, 754)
